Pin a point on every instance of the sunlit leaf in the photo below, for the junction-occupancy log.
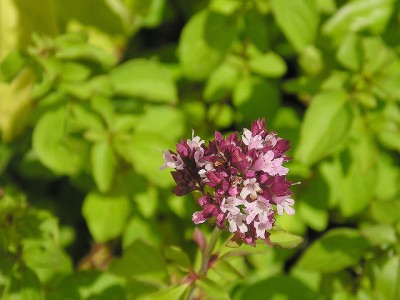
(54, 148)
(373, 13)
(103, 165)
(325, 127)
(204, 42)
(145, 79)
(268, 65)
(100, 211)
(298, 19)
(141, 261)
(284, 239)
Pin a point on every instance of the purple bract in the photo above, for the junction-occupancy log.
(242, 180)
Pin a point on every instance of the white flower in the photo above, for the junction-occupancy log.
(252, 142)
(284, 203)
(260, 207)
(251, 188)
(172, 161)
(261, 228)
(230, 204)
(236, 222)
(195, 142)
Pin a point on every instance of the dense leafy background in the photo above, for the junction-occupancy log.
(92, 90)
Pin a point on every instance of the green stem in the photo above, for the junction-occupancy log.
(209, 251)
(206, 255)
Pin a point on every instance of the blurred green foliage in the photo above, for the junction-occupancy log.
(90, 92)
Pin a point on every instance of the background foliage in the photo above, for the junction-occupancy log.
(92, 90)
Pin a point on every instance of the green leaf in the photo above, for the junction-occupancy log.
(212, 289)
(100, 211)
(172, 293)
(221, 114)
(104, 107)
(360, 176)
(298, 20)
(23, 284)
(334, 251)
(46, 259)
(256, 30)
(177, 256)
(75, 72)
(89, 285)
(103, 165)
(311, 60)
(11, 65)
(350, 53)
(325, 128)
(144, 79)
(146, 157)
(269, 64)
(373, 13)
(332, 173)
(54, 148)
(221, 82)
(204, 42)
(251, 92)
(387, 283)
(140, 261)
(277, 288)
(108, 18)
(84, 118)
(226, 270)
(284, 239)
(386, 212)
(386, 186)
(138, 228)
(380, 235)
(312, 203)
(164, 120)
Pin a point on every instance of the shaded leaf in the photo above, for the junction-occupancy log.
(334, 251)
(278, 287)
(212, 289)
(177, 256)
(172, 293)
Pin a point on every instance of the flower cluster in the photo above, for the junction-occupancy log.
(242, 180)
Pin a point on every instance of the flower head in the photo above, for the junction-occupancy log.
(245, 175)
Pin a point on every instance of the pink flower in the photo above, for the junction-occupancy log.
(244, 178)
